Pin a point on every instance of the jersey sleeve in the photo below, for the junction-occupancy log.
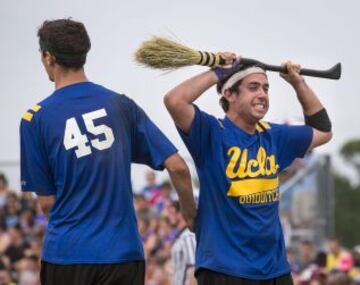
(293, 142)
(151, 146)
(35, 170)
(198, 139)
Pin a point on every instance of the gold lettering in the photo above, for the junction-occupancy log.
(260, 198)
(242, 199)
(263, 198)
(261, 158)
(241, 173)
(234, 152)
(272, 167)
(263, 164)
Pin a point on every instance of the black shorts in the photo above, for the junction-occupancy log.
(128, 273)
(208, 277)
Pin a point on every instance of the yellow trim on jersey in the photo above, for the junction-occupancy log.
(27, 116)
(36, 108)
(252, 186)
(262, 125)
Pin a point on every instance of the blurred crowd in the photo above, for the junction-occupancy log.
(22, 227)
(331, 265)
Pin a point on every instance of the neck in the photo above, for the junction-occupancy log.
(64, 77)
(246, 125)
(181, 224)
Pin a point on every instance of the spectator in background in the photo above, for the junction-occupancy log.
(28, 269)
(5, 277)
(3, 189)
(355, 271)
(166, 194)
(293, 262)
(306, 254)
(339, 278)
(183, 252)
(12, 210)
(338, 258)
(315, 273)
(143, 207)
(155, 273)
(16, 249)
(151, 190)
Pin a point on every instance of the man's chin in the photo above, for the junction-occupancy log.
(259, 116)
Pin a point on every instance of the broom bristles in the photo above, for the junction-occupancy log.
(163, 53)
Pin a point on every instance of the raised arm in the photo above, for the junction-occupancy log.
(314, 112)
(179, 100)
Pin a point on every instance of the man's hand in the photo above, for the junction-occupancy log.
(228, 57)
(293, 74)
(231, 65)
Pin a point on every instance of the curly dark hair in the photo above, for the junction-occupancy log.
(65, 39)
(234, 89)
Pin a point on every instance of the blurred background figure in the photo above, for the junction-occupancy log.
(3, 189)
(338, 258)
(151, 190)
(183, 251)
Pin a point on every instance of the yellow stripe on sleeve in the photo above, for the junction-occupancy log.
(36, 108)
(27, 116)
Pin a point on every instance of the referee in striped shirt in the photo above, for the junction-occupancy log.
(183, 251)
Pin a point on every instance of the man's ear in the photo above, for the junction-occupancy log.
(229, 96)
(49, 58)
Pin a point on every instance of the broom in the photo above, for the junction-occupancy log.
(163, 53)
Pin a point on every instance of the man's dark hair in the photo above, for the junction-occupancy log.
(66, 40)
(234, 89)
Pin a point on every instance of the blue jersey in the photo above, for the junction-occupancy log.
(78, 145)
(238, 229)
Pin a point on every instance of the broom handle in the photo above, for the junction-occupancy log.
(331, 73)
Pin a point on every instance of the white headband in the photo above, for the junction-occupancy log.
(240, 75)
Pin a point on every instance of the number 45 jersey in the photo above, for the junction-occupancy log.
(78, 145)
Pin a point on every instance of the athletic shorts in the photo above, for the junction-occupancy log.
(128, 273)
(208, 277)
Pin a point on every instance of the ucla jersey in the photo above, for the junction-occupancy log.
(78, 145)
(238, 229)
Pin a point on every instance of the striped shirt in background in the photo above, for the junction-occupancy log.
(183, 257)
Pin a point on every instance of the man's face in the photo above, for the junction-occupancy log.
(252, 101)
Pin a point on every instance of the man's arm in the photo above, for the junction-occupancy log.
(180, 176)
(311, 105)
(179, 100)
(46, 203)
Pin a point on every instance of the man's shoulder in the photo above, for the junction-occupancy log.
(186, 234)
(32, 113)
(270, 127)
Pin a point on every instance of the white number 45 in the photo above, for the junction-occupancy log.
(74, 138)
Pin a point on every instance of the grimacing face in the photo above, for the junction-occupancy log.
(252, 101)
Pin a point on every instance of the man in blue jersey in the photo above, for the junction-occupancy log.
(77, 146)
(238, 161)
